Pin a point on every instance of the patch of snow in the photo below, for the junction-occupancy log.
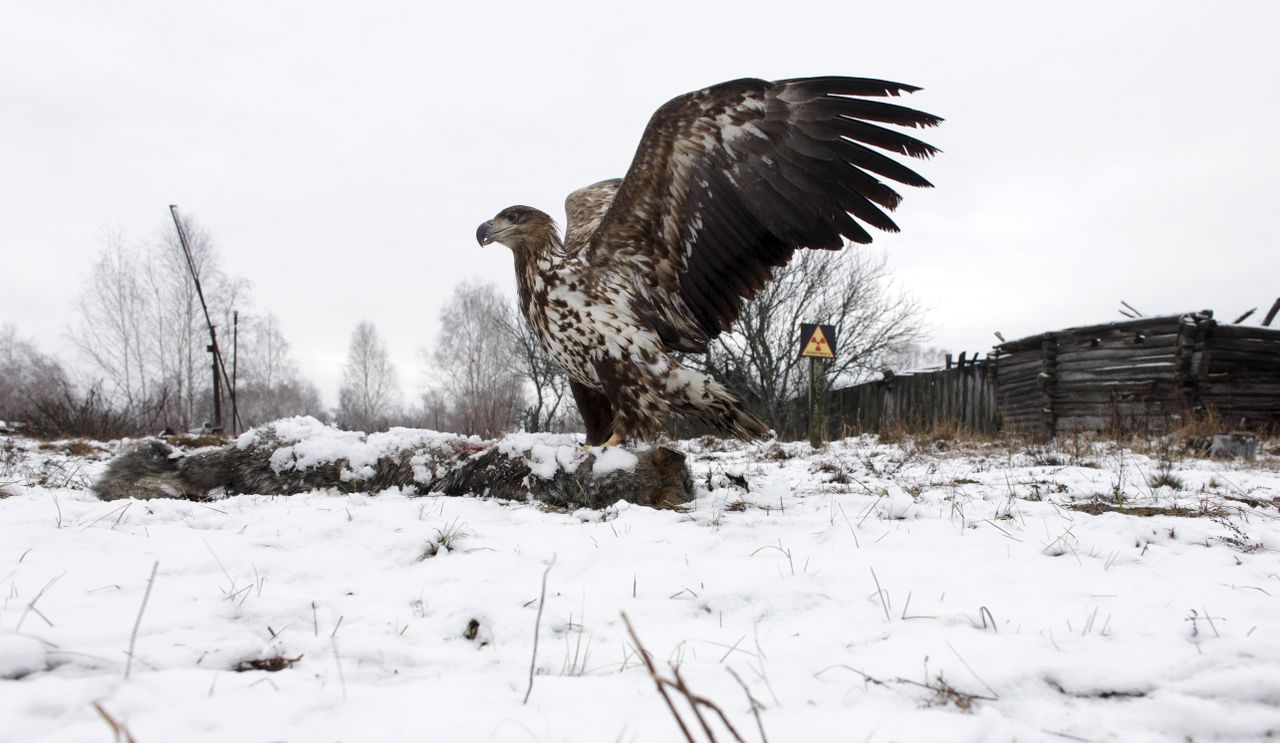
(310, 443)
(249, 439)
(844, 587)
(896, 504)
(21, 655)
(545, 453)
(613, 459)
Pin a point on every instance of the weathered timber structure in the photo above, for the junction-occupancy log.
(961, 397)
(1149, 374)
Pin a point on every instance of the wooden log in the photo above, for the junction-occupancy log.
(1082, 383)
(1271, 313)
(1258, 370)
(1077, 345)
(1244, 331)
(1260, 345)
(1114, 361)
(1137, 365)
(1263, 355)
(1242, 391)
(1013, 364)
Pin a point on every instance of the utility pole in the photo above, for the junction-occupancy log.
(235, 363)
(212, 348)
(219, 369)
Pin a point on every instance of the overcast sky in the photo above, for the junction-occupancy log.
(342, 155)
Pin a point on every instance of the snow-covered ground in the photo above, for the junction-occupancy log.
(869, 592)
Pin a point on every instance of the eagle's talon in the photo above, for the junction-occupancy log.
(614, 440)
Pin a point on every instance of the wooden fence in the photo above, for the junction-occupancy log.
(1148, 374)
(961, 397)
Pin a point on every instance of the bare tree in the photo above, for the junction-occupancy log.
(850, 289)
(546, 409)
(433, 411)
(370, 392)
(140, 325)
(35, 391)
(27, 375)
(110, 329)
(474, 362)
(269, 384)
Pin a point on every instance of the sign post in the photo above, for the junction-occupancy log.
(817, 342)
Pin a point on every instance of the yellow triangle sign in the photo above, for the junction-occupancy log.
(818, 347)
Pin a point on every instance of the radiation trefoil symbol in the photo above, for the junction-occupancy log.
(817, 341)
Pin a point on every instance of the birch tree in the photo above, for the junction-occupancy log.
(477, 371)
(370, 392)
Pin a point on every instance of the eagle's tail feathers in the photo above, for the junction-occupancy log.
(748, 427)
(713, 404)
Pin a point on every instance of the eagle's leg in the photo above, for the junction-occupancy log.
(596, 412)
(635, 397)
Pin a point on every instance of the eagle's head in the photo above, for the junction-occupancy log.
(520, 228)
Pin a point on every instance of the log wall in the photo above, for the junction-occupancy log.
(1143, 375)
(1238, 375)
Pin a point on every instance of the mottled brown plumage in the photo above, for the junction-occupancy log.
(726, 184)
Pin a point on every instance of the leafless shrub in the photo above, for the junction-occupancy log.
(90, 414)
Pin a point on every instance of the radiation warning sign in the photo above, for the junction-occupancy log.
(817, 341)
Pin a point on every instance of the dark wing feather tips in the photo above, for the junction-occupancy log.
(729, 181)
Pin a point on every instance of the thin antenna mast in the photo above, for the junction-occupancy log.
(218, 366)
(235, 365)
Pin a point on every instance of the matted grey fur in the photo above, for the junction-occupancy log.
(448, 465)
(660, 479)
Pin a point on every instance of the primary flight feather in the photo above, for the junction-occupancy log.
(726, 184)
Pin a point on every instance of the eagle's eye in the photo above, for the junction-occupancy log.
(513, 217)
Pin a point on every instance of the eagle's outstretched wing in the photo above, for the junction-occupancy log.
(729, 181)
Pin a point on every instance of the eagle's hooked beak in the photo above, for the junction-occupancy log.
(485, 233)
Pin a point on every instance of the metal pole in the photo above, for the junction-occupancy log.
(217, 387)
(235, 363)
(218, 366)
(815, 428)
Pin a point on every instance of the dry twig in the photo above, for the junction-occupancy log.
(118, 729)
(695, 701)
(537, 623)
(133, 636)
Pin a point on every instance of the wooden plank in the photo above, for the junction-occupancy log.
(1154, 340)
(1243, 331)
(1271, 313)
(1117, 376)
(1015, 365)
(1138, 354)
(1250, 340)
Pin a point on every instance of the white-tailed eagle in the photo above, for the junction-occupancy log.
(726, 184)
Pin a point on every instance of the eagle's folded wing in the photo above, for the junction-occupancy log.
(729, 181)
(584, 209)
